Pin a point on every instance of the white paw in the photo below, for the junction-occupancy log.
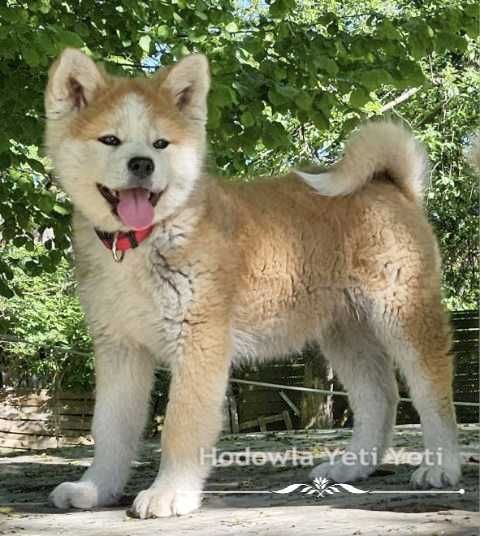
(340, 472)
(165, 501)
(436, 476)
(74, 494)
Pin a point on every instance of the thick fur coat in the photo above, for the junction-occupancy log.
(345, 258)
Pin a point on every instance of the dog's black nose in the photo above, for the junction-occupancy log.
(141, 166)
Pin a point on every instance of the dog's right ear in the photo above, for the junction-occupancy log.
(73, 80)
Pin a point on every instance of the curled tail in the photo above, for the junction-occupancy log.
(378, 149)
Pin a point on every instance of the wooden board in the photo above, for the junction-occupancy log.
(29, 397)
(35, 414)
(33, 442)
(39, 420)
(50, 428)
(61, 406)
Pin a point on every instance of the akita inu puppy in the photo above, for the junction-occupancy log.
(215, 271)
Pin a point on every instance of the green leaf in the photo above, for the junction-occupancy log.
(411, 72)
(214, 117)
(145, 42)
(46, 203)
(304, 101)
(37, 166)
(163, 32)
(280, 73)
(220, 96)
(31, 57)
(319, 120)
(275, 97)
(231, 27)
(61, 209)
(19, 241)
(326, 64)
(288, 92)
(44, 42)
(447, 41)
(201, 15)
(274, 135)
(387, 30)
(359, 97)
(247, 119)
(279, 8)
(69, 39)
(324, 102)
(5, 290)
(375, 78)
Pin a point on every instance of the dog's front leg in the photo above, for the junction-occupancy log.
(123, 383)
(192, 423)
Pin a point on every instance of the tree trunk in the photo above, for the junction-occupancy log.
(317, 409)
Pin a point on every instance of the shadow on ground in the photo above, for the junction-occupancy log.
(27, 478)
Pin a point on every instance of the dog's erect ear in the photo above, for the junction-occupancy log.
(189, 81)
(73, 80)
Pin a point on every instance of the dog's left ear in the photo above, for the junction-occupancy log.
(189, 81)
(73, 81)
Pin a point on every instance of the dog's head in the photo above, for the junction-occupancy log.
(128, 151)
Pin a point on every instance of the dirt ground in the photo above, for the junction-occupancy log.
(26, 479)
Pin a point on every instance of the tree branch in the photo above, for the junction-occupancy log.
(402, 98)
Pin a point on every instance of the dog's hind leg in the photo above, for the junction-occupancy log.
(123, 384)
(417, 335)
(367, 373)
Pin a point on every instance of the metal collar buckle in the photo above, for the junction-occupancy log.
(115, 253)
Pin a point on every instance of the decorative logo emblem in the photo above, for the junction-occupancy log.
(319, 488)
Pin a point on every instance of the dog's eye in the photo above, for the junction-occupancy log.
(109, 140)
(161, 144)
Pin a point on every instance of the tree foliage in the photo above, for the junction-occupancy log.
(46, 316)
(291, 80)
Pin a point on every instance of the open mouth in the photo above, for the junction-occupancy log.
(113, 196)
(134, 206)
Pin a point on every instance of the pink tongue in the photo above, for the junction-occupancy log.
(134, 208)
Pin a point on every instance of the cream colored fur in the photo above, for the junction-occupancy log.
(376, 148)
(236, 270)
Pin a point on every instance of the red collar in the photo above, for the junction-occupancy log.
(121, 241)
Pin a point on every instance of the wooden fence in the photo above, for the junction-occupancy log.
(264, 401)
(41, 419)
(466, 350)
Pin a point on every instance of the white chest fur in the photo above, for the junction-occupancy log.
(142, 301)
